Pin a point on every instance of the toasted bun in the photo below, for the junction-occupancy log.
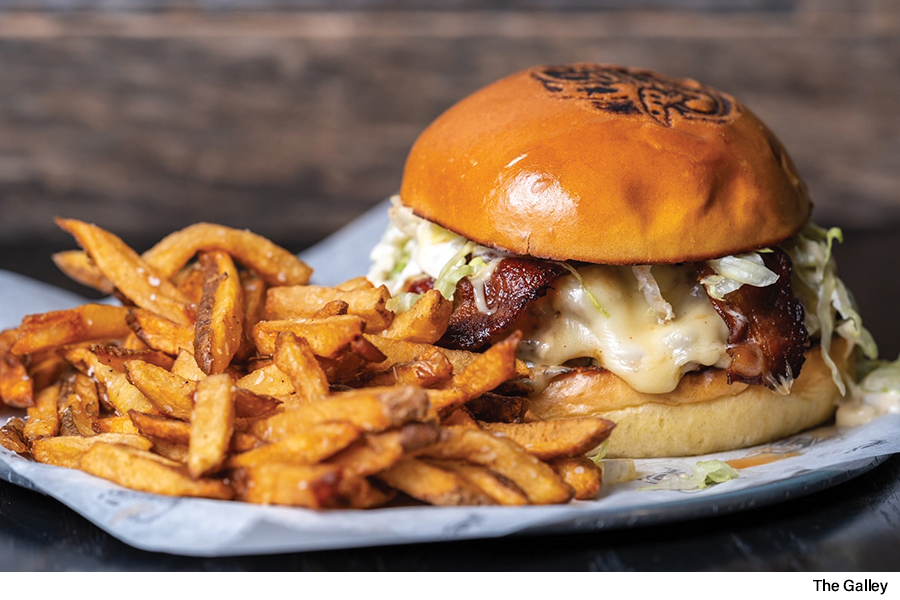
(604, 164)
(703, 414)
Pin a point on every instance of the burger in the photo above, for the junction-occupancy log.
(650, 238)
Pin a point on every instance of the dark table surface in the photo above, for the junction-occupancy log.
(853, 526)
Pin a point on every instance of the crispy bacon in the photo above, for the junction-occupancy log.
(767, 338)
(514, 285)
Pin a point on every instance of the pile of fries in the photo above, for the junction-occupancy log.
(223, 374)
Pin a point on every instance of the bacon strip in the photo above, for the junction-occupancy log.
(767, 338)
(514, 285)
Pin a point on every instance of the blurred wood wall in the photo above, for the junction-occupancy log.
(291, 117)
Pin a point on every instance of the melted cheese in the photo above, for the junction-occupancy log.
(650, 354)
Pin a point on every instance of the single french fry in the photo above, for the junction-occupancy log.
(326, 336)
(170, 394)
(274, 264)
(555, 438)
(61, 327)
(370, 409)
(160, 333)
(431, 484)
(162, 428)
(116, 356)
(129, 273)
(500, 490)
(78, 405)
(301, 301)
(425, 322)
(12, 436)
(486, 372)
(310, 486)
(77, 265)
(146, 472)
(581, 474)
(312, 446)
(212, 424)
(294, 357)
(43, 418)
(378, 451)
(66, 451)
(220, 317)
(16, 385)
(506, 458)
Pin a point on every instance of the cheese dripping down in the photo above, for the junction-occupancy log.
(651, 354)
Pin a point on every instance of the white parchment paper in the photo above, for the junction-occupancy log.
(806, 463)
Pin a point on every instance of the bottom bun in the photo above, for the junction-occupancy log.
(703, 414)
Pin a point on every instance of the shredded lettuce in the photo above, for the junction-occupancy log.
(584, 287)
(615, 470)
(883, 379)
(402, 260)
(650, 288)
(402, 302)
(734, 271)
(704, 474)
(600, 452)
(830, 307)
(455, 269)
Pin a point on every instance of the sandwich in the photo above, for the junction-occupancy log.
(650, 238)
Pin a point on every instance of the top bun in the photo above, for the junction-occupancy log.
(605, 164)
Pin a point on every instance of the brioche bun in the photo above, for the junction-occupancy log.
(703, 414)
(605, 164)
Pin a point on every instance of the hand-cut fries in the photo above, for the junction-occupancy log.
(229, 377)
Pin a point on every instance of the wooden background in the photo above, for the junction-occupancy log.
(291, 117)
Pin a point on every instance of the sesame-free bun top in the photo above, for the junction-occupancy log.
(605, 164)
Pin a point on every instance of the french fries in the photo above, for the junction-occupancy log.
(226, 376)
